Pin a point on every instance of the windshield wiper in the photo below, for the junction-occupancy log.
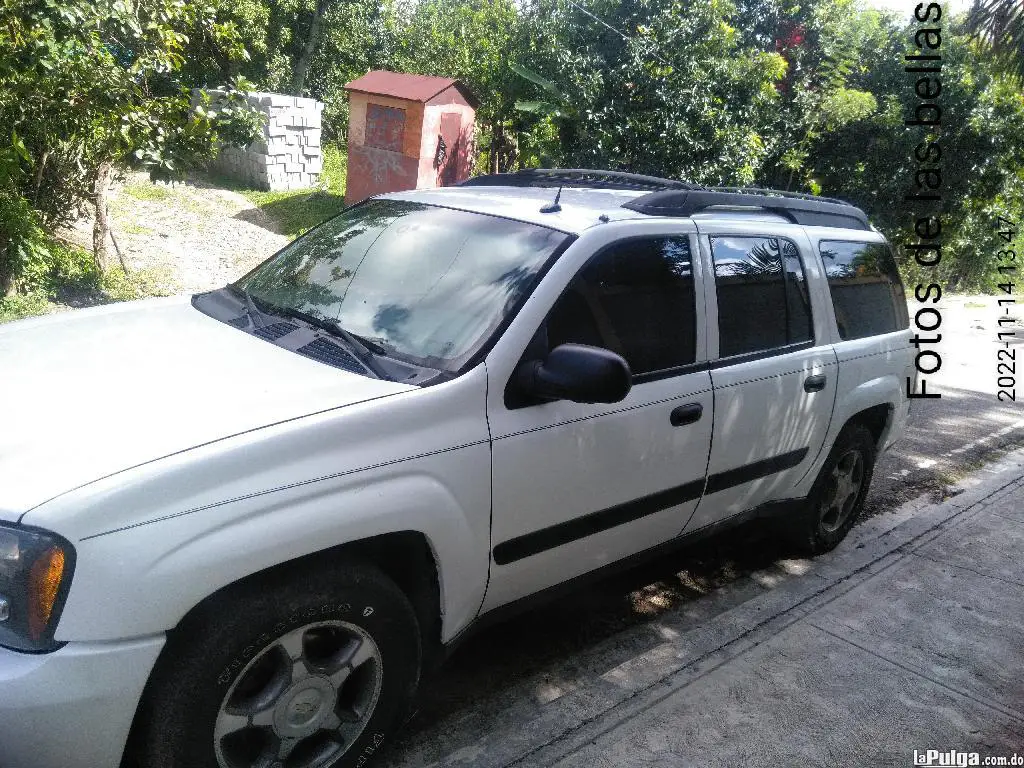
(363, 349)
(255, 313)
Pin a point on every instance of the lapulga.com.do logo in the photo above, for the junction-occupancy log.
(934, 757)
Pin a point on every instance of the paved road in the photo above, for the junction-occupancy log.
(510, 672)
(912, 639)
(968, 425)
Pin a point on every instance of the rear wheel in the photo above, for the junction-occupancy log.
(309, 673)
(837, 496)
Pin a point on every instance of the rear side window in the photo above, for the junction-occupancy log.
(866, 288)
(637, 299)
(762, 294)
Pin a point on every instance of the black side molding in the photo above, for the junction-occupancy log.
(733, 477)
(579, 528)
(595, 522)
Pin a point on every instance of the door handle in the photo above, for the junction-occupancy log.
(814, 383)
(686, 414)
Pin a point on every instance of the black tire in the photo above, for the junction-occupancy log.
(207, 655)
(814, 530)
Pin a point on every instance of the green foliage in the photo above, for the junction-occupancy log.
(23, 241)
(999, 25)
(872, 162)
(116, 285)
(353, 37)
(62, 275)
(22, 305)
(156, 192)
(803, 96)
(294, 213)
(88, 85)
(680, 97)
(335, 169)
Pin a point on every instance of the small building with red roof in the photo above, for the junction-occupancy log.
(407, 131)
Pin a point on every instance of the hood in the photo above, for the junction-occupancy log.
(89, 393)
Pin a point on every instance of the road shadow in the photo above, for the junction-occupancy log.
(294, 214)
(488, 672)
(944, 439)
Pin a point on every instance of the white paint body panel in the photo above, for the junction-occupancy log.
(102, 390)
(192, 523)
(761, 408)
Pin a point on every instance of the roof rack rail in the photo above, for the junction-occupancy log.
(576, 177)
(778, 193)
(797, 207)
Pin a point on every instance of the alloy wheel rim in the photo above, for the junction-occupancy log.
(302, 701)
(842, 491)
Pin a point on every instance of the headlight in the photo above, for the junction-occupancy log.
(35, 572)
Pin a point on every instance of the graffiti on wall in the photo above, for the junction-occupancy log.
(372, 171)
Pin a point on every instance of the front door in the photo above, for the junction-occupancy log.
(579, 486)
(774, 385)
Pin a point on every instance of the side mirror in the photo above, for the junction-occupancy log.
(578, 373)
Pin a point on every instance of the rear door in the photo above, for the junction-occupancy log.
(773, 370)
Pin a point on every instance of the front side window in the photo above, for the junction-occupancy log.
(637, 299)
(429, 285)
(866, 288)
(762, 294)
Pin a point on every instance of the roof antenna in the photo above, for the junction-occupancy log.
(553, 207)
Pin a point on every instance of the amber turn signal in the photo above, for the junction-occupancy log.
(43, 585)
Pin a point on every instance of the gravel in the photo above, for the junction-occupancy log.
(192, 236)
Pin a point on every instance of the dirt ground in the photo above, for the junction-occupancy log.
(192, 236)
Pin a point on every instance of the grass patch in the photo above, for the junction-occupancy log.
(135, 229)
(148, 190)
(297, 211)
(293, 212)
(335, 169)
(974, 305)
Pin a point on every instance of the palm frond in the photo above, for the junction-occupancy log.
(999, 25)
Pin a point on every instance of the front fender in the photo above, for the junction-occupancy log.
(205, 519)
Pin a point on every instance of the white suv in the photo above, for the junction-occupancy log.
(235, 528)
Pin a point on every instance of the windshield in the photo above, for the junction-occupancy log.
(429, 285)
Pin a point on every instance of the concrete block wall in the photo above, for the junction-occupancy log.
(289, 155)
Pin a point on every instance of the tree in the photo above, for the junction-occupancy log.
(660, 86)
(89, 86)
(999, 24)
(478, 42)
(871, 161)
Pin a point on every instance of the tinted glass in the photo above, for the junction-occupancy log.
(428, 284)
(866, 288)
(636, 299)
(762, 294)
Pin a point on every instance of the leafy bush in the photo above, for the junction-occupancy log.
(60, 274)
(22, 305)
(115, 285)
(23, 241)
(335, 169)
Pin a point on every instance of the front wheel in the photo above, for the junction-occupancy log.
(295, 673)
(837, 496)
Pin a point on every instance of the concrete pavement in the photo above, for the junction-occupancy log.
(909, 636)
